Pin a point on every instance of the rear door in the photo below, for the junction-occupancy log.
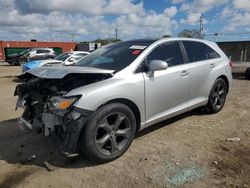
(40, 54)
(166, 91)
(202, 62)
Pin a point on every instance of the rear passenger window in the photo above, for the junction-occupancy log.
(197, 51)
(40, 51)
(169, 52)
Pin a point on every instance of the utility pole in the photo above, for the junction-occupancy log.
(50, 30)
(201, 26)
(116, 33)
(216, 34)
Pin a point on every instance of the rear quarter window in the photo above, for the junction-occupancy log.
(197, 51)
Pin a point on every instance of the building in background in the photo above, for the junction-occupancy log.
(236, 50)
(88, 46)
(10, 47)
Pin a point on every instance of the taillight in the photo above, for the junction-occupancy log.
(231, 63)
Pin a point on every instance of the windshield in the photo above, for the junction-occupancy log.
(115, 56)
(24, 52)
(63, 57)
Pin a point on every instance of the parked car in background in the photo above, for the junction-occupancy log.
(100, 103)
(247, 73)
(18, 58)
(68, 58)
(41, 53)
(30, 55)
(41, 63)
(73, 57)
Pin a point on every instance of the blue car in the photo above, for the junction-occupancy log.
(68, 58)
(41, 63)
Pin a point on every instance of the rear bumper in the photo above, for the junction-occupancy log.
(24, 68)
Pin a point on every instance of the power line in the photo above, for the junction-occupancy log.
(235, 34)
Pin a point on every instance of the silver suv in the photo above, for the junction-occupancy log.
(98, 105)
(41, 53)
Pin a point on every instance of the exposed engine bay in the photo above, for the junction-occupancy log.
(47, 110)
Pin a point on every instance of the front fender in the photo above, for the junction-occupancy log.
(99, 93)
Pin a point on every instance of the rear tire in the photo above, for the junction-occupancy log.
(108, 133)
(247, 73)
(21, 62)
(217, 96)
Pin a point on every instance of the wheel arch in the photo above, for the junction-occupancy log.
(131, 105)
(226, 81)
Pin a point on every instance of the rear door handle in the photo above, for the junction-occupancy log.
(212, 65)
(184, 73)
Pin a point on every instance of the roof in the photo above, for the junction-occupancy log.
(75, 52)
(151, 41)
(41, 48)
(139, 41)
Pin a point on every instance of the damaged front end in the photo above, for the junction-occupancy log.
(47, 108)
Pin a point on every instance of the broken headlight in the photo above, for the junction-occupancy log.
(62, 103)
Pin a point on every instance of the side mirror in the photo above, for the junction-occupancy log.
(156, 65)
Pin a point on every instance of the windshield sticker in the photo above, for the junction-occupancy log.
(136, 52)
(137, 47)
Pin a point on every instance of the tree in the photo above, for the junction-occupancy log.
(189, 33)
(166, 36)
(106, 41)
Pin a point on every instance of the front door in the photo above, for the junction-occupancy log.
(166, 91)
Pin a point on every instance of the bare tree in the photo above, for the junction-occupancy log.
(189, 33)
(166, 36)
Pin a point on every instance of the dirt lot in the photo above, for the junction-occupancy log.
(188, 151)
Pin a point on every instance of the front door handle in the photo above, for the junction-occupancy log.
(184, 73)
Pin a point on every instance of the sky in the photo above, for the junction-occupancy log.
(86, 20)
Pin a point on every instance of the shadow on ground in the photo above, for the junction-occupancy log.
(29, 148)
(239, 76)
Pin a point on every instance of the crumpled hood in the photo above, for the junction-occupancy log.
(60, 72)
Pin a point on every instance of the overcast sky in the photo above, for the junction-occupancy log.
(62, 20)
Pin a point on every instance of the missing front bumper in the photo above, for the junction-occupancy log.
(74, 128)
(71, 126)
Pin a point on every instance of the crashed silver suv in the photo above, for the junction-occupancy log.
(98, 105)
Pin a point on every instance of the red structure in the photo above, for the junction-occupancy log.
(65, 46)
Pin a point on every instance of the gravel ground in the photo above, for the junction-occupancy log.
(190, 150)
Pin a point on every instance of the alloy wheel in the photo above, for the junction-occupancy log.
(219, 95)
(112, 133)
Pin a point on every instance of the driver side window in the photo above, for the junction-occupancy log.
(169, 52)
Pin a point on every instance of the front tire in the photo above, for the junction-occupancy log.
(217, 96)
(108, 133)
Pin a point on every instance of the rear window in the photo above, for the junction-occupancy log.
(197, 51)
